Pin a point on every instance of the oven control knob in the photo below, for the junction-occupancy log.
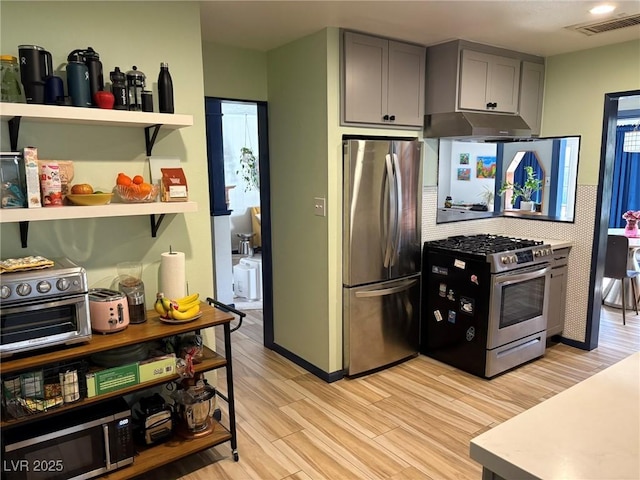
(63, 284)
(5, 291)
(43, 287)
(23, 289)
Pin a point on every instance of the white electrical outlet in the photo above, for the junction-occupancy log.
(319, 206)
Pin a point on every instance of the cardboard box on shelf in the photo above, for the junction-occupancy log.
(174, 185)
(32, 177)
(111, 379)
(157, 367)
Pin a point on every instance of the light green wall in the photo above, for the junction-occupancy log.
(575, 86)
(123, 35)
(297, 94)
(231, 72)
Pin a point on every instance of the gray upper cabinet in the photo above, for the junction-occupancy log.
(531, 95)
(383, 81)
(489, 82)
(468, 76)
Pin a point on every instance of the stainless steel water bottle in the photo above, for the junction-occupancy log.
(94, 65)
(78, 80)
(165, 89)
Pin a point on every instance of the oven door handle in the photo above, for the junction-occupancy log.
(510, 279)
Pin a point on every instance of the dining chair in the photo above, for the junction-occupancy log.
(615, 266)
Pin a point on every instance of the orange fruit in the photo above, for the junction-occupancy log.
(138, 179)
(145, 189)
(123, 179)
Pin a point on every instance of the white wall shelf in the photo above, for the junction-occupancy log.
(15, 113)
(95, 116)
(8, 215)
(155, 210)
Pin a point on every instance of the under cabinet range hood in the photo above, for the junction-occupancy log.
(475, 126)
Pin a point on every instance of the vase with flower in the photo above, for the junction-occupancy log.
(631, 228)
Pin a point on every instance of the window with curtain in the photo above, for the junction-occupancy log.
(625, 192)
(520, 175)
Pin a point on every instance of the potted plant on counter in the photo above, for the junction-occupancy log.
(525, 192)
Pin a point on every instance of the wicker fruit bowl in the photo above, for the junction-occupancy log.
(137, 193)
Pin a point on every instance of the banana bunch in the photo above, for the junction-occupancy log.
(181, 309)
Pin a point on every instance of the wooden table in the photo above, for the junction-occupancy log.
(612, 288)
(589, 431)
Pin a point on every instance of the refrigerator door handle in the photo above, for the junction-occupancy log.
(386, 221)
(397, 208)
(381, 292)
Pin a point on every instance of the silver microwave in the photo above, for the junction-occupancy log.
(78, 445)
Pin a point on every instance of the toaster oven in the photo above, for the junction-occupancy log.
(43, 308)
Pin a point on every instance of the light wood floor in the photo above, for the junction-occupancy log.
(412, 421)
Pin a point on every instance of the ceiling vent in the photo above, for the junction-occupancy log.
(606, 25)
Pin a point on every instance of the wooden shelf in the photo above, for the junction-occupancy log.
(95, 116)
(152, 329)
(150, 458)
(13, 215)
(210, 361)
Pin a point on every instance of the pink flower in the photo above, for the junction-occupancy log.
(631, 215)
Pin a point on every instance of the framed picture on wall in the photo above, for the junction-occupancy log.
(464, 174)
(464, 159)
(486, 167)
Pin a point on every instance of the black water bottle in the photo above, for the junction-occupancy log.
(119, 89)
(165, 89)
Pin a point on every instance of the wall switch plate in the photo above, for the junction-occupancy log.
(319, 206)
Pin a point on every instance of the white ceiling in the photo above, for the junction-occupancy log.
(532, 26)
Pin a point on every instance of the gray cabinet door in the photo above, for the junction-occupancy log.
(366, 66)
(531, 95)
(406, 83)
(489, 79)
(383, 81)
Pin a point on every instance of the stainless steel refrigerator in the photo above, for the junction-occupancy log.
(382, 201)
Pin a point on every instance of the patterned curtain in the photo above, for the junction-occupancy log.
(625, 193)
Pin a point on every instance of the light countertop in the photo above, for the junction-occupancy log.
(589, 431)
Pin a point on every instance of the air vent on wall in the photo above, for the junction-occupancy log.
(606, 25)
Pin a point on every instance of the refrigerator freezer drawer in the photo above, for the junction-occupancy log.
(381, 324)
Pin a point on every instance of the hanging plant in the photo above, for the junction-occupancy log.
(249, 169)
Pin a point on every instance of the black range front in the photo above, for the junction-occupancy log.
(484, 302)
(455, 310)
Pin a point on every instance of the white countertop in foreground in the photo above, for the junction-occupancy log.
(589, 431)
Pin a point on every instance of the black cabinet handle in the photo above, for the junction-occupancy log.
(385, 118)
(392, 118)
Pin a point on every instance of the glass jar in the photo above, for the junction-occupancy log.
(11, 90)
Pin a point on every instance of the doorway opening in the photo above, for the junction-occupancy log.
(612, 116)
(238, 159)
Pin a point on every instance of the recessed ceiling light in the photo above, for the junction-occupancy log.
(601, 9)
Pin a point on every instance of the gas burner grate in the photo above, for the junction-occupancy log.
(483, 244)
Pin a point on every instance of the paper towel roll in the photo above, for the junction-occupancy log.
(173, 279)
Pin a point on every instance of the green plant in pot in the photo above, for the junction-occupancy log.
(249, 169)
(524, 192)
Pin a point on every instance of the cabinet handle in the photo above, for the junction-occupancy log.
(385, 118)
(392, 118)
(489, 105)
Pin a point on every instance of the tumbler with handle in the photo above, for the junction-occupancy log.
(35, 67)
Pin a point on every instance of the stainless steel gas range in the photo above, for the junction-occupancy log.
(485, 301)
